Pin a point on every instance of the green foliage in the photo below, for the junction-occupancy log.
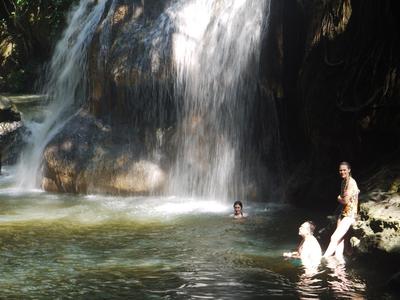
(22, 2)
(32, 27)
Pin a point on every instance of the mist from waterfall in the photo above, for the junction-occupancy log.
(216, 49)
(65, 87)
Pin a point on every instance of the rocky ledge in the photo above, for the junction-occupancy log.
(11, 129)
(376, 235)
(378, 229)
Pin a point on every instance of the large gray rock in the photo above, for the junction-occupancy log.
(88, 157)
(379, 226)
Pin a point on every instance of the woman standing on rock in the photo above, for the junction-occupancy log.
(349, 199)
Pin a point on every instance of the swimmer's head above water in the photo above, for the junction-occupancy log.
(307, 228)
(238, 206)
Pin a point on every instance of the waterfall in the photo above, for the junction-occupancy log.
(216, 49)
(208, 49)
(65, 86)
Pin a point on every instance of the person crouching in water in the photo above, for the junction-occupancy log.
(349, 199)
(309, 250)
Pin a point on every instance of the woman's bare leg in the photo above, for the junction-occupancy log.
(339, 249)
(337, 236)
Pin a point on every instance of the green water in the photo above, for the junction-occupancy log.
(99, 247)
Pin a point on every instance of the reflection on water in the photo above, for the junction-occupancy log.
(310, 285)
(331, 279)
(341, 283)
(102, 247)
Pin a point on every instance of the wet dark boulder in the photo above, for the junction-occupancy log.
(8, 111)
(11, 130)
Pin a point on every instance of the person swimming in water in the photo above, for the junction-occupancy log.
(238, 210)
(309, 250)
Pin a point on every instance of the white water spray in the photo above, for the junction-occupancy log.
(65, 87)
(216, 50)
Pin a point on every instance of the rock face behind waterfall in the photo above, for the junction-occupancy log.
(87, 157)
(127, 70)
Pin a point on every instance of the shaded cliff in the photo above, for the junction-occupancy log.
(337, 90)
(332, 67)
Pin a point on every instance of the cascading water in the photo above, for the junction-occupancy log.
(216, 50)
(65, 87)
(211, 48)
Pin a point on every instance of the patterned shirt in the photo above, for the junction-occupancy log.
(350, 188)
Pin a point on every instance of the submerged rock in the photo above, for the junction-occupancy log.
(86, 157)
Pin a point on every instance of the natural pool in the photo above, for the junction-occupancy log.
(103, 247)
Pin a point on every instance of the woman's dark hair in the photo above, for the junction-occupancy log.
(345, 163)
(238, 202)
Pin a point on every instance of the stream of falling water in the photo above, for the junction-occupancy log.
(64, 86)
(216, 50)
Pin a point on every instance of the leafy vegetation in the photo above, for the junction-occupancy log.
(28, 31)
